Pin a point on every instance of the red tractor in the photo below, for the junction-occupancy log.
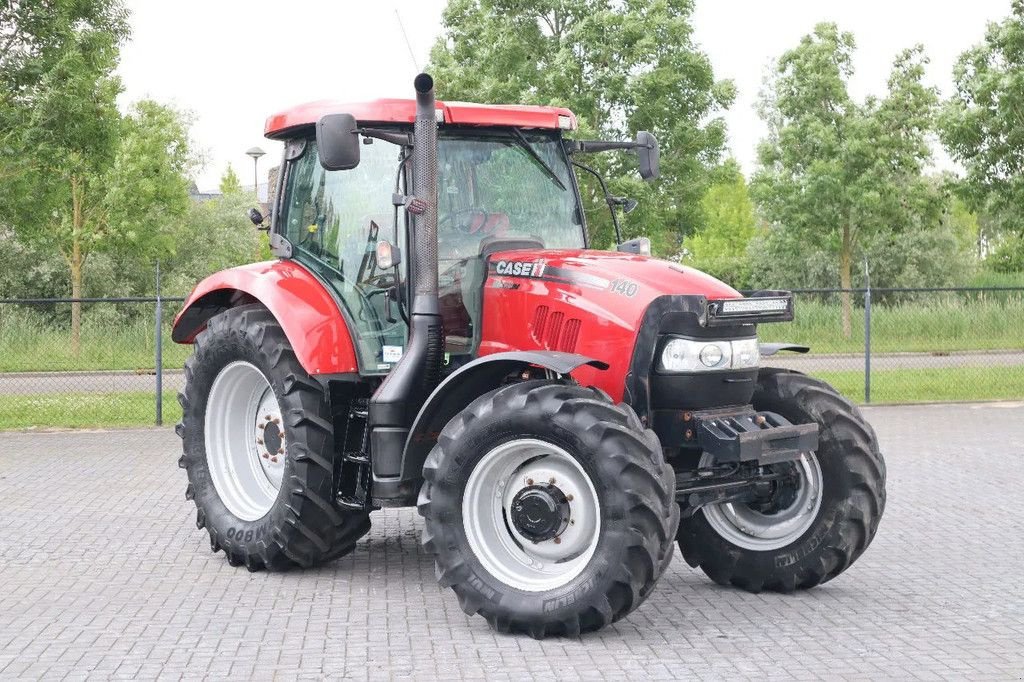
(435, 331)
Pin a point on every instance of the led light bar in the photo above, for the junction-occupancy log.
(745, 306)
(774, 308)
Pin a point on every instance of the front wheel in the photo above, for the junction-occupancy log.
(548, 509)
(818, 520)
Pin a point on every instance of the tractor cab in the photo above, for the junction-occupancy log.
(498, 187)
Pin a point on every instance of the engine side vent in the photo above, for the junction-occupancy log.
(570, 335)
(540, 318)
(554, 329)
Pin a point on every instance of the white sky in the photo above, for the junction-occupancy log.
(231, 63)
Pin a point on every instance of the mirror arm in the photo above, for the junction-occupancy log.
(395, 137)
(607, 197)
(593, 146)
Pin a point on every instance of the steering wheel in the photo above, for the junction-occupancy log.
(468, 227)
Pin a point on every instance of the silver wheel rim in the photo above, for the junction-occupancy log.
(243, 424)
(486, 509)
(749, 528)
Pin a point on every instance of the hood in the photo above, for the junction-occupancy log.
(640, 278)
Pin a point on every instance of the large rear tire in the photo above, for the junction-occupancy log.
(607, 519)
(258, 442)
(819, 527)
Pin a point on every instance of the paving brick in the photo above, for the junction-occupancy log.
(104, 575)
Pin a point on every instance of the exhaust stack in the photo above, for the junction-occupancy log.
(424, 163)
(398, 399)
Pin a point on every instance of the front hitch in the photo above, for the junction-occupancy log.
(742, 444)
(742, 435)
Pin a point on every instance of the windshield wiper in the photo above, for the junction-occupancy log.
(525, 144)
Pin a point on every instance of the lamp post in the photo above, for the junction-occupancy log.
(255, 153)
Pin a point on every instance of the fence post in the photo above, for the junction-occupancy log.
(867, 333)
(159, 352)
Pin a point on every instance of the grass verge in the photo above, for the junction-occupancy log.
(85, 410)
(931, 385)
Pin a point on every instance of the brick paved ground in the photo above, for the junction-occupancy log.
(103, 573)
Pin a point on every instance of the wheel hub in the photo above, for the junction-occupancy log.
(540, 512)
(531, 514)
(272, 437)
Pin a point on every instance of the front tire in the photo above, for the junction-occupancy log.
(258, 442)
(819, 528)
(548, 509)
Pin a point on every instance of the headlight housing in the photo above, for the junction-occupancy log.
(690, 355)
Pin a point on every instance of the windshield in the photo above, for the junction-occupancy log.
(506, 185)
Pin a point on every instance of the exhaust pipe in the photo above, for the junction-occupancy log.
(424, 164)
(398, 399)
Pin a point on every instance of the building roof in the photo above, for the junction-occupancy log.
(404, 111)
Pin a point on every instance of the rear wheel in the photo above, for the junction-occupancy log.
(814, 523)
(258, 443)
(548, 509)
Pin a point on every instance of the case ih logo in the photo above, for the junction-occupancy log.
(520, 268)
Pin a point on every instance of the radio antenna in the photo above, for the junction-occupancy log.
(408, 45)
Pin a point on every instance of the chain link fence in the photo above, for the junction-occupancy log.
(120, 369)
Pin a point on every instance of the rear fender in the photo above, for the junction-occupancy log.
(306, 311)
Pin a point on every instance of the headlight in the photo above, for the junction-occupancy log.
(687, 355)
(711, 355)
(746, 354)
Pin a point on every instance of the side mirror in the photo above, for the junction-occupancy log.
(337, 142)
(647, 150)
(255, 216)
(628, 205)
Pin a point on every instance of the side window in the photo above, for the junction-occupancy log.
(334, 220)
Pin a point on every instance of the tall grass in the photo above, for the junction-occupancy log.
(111, 339)
(932, 322)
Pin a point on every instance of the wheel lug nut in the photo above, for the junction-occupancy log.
(280, 451)
(558, 541)
(552, 481)
(274, 460)
(259, 441)
(266, 456)
(529, 481)
(568, 498)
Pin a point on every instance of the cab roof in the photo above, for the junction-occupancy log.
(279, 125)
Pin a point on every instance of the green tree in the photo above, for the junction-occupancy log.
(982, 124)
(39, 42)
(229, 182)
(214, 235)
(86, 178)
(621, 67)
(65, 137)
(720, 248)
(833, 171)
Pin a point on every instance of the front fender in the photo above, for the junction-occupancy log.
(456, 392)
(307, 313)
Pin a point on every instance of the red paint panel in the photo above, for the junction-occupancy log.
(404, 111)
(309, 316)
(608, 292)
